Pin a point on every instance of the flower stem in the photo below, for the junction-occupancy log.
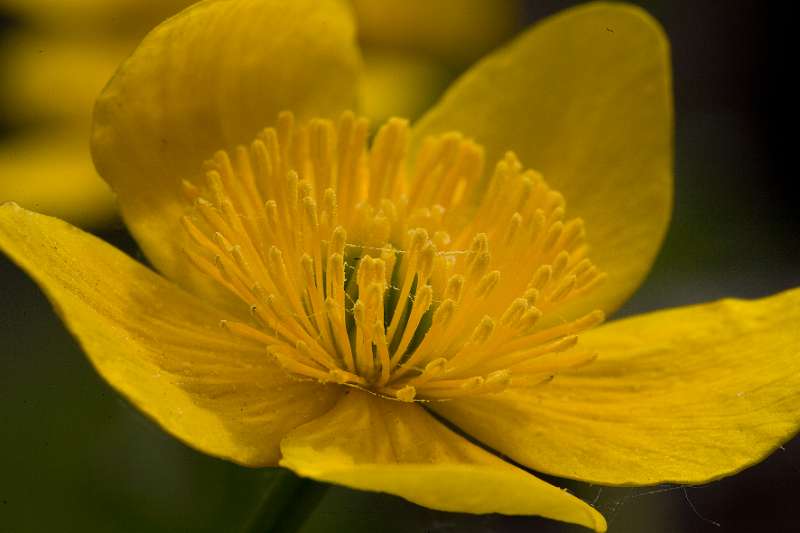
(285, 504)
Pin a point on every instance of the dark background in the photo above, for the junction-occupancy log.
(74, 456)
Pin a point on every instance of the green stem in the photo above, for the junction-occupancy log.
(296, 514)
(281, 496)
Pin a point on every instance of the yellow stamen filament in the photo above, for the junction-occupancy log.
(363, 270)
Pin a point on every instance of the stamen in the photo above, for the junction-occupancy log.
(362, 270)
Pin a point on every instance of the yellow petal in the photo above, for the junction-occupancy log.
(399, 84)
(369, 443)
(585, 98)
(207, 79)
(454, 31)
(51, 172)
(686, 395)
(159, 346)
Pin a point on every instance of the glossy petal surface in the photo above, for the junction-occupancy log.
(159, 346)
(585, 98)
(369, 443)
(686, 395)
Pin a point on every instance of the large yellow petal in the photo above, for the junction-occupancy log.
(207, 79)
(370, 443)
(51, 172)
(686, 395)
(159, 346)
(585, 98)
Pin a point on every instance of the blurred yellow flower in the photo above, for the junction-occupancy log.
(57, 63)
(320, 298)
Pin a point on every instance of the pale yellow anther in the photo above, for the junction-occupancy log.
(379, 231)
(480, 244)
(329, 205)
(419, 237)
(454, 287)
(582, 268)
(441, 239)
(389, 259)
(479, 267)
(435, 367)
(424, 297)
(217, 189)
(552, 236)
(310, 211)
(304, 189)
(563, 289)
(573, 234)
(537, 223)
(595, 318)
(307, 264)
(378, 277)
(526, 190)
(444, 312)
(483, 331)
(338, 376)
(425, 260)
(432, 370)
(564, 344)
(473, 383)
(541, 277)
(276, 264)
(514, 313)
(190, 190)
(338, 240)
(487, 284)
(513, 228)
(238, 257)
(555, 201)
(529, 318)
(406, 394)
(531, 296)
(365, 273)
(222, 242)
(560, 264)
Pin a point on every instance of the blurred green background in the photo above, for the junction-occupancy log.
(74, 456)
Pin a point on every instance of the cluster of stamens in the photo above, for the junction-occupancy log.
(409, 281)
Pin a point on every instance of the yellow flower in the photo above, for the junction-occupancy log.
(75, 46)
(324, 306)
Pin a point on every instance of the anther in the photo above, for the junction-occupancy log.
(444, 312)
(483, 331)
(406, 394)
(274, 235)
(487, 284)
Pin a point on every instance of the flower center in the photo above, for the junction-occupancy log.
(411, 281)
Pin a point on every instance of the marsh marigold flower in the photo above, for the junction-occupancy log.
(326, 300)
